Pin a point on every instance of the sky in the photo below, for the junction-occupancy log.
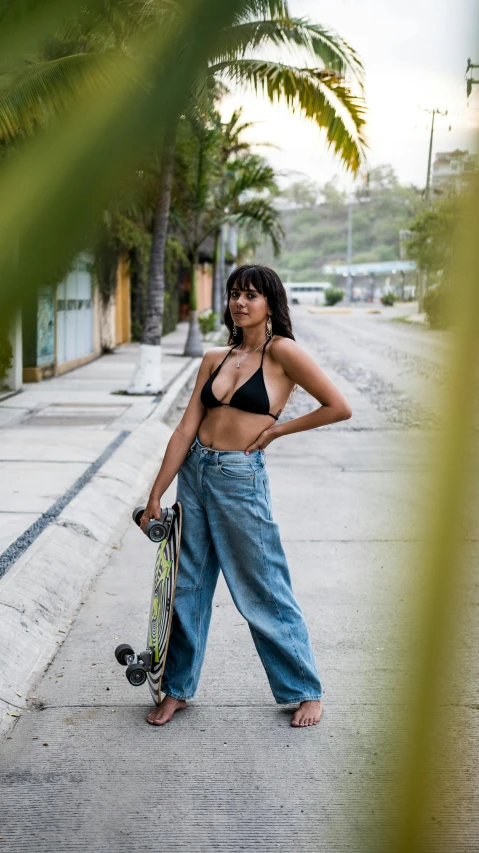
(414, 54)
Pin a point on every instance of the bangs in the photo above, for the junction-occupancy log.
(267, 282)
(246, 278)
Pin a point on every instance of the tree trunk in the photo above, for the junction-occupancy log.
(193, 346)
(147, 378)
(217, 278)
(232, 246)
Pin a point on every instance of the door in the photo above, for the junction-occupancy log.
(45, 326)
(75, 313)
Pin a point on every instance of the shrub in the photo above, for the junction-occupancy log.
(435, 306)
(6, 352)
(207, 322)
(333, 295)
(388, 298)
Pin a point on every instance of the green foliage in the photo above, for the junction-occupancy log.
(217, 179)
(6, 352)
(388, 298)
(332, 295)
(207, 322)
(435, 305)
(316, 225)
(115, 76)
(91, 144)
(433, 236)
(175, 258)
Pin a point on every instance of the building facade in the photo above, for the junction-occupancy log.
(67, 325)
(452, 171)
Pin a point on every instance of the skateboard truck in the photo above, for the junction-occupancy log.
(137, 665)
(156, 530)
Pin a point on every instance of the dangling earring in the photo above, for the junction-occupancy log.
(235, 330)
(269, 328)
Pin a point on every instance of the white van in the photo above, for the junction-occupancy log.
(311, 292)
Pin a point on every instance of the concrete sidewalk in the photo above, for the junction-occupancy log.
(76, 456)
(52, 431)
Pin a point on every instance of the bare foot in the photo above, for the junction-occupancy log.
(165, 710)
(308, 713)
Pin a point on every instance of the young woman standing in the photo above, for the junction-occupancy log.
(217, 450)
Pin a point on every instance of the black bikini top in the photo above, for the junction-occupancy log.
(252, 396)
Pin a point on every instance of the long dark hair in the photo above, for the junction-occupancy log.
(267, 282)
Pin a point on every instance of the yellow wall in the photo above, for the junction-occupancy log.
(122, 303)
(205, 286)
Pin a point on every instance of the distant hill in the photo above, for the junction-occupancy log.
(315, 221)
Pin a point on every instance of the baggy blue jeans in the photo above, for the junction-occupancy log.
(227, 523)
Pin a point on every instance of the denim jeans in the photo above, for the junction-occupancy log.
(227, 524)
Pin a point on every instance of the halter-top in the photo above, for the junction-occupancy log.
(252, 396)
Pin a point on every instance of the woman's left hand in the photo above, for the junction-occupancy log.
(266, 437)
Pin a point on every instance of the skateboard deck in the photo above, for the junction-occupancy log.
(149, 665)
(162, 600)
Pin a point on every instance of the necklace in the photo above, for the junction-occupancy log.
(240, 362)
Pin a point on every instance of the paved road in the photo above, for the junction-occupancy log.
(86, 773)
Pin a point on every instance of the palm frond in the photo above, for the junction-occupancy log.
(316, 94)
(250, 173)
(333, 52)
(88, 151)
(200, 99)
(51, 88)
(234, 127)
(336, 53)
(262, 214)
(25, 24)
(261, 9)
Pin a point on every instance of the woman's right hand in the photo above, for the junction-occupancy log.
(152, 510)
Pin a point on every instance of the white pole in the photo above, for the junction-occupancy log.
(350, 250)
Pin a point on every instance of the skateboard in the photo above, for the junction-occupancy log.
(149, 664)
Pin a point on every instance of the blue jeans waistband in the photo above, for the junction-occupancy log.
(238, 456)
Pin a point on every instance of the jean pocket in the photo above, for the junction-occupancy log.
(240, 472)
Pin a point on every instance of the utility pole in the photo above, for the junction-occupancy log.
(423, 276)
(429, 159)
(350, 250)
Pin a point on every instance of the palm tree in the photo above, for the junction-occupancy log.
(321, 93)
(232, 145)
(209, 192)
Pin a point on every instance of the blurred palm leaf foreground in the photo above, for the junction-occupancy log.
(85, 90)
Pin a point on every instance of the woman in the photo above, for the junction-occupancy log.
(217, 450)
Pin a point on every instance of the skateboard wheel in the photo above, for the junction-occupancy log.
(136, 674)
(137, 513)
(121, 653)
(155, 531)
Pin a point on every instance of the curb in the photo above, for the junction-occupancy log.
(174, 389)
(44, 589)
